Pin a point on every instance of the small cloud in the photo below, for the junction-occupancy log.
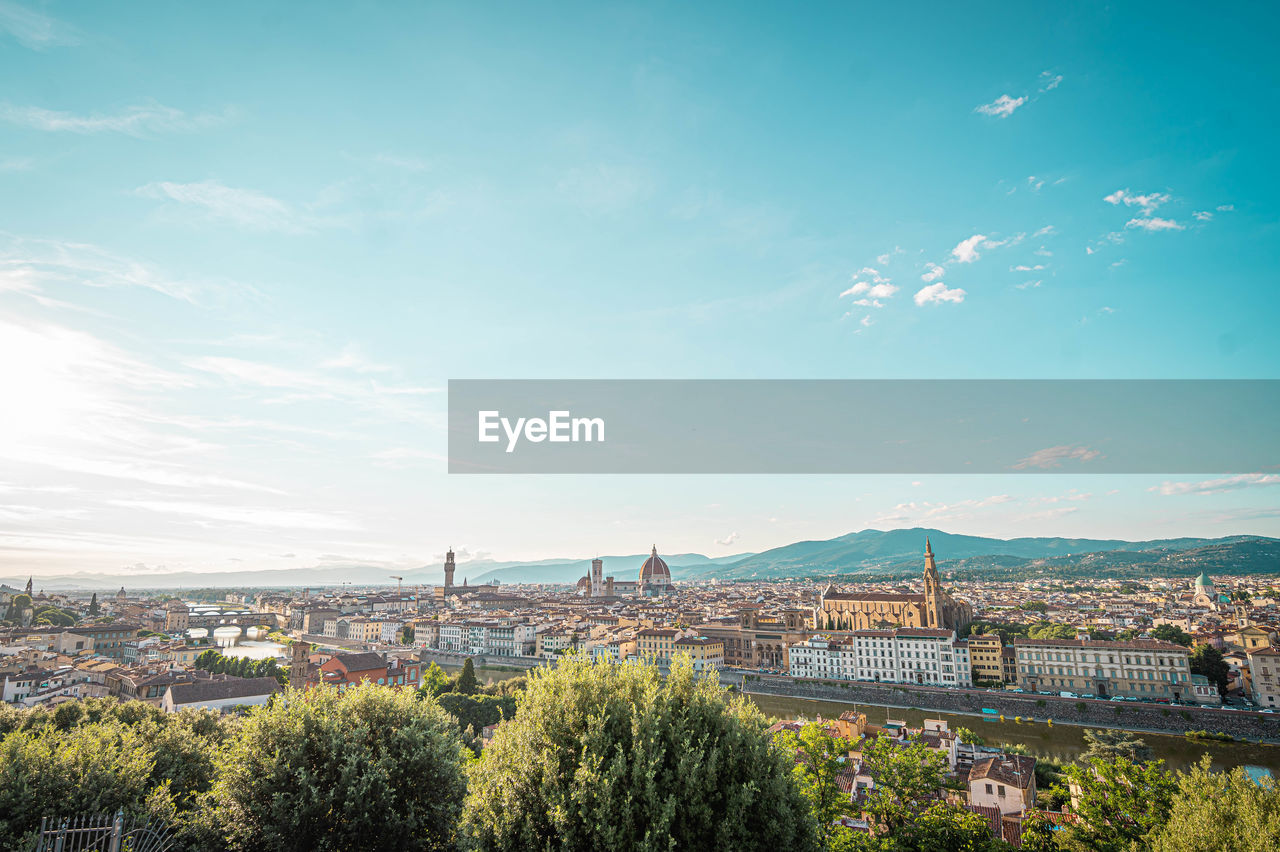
(876, 287)
(132, 121)
(1027, 285)
(966, 251)
(1217, 486)
(727, 540)
(1034, 183)
(932, 273)
(247, 208)
(1049, 81)
(1046, 231)
(1148, 202)
(1042, 252)
(938, 293)
(1052, 457)
(1119, 263)
(1226, 208)
(1025, 268)
(33, 29)
(884, 259)
(1154, 223)
(1202, 215)
(1001, 107)
(866, 321)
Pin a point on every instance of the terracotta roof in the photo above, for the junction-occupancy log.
(220, 690)
(1016, 770)
(874, 596)
(360, 662)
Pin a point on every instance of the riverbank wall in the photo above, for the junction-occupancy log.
(1093, 713)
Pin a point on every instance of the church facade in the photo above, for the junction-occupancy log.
(855, 611)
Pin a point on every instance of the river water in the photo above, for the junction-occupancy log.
(1058, 742)
(253, 644)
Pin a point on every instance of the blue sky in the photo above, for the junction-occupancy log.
(244, 246)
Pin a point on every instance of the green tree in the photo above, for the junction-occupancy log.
(1112, 744)
(434, 681)
(1049, 630)
(367, 768)
(604, 756)
(99, 755)
(971, 737)
(1116, 803)
(17, 605)
(1172, 633)
(820, 759)
(467, 683)
(1224, 811)
(907, 777)
(1207, 660)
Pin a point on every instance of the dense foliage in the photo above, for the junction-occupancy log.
(362, 769)
(1208, 661)
(216, 662)
(605, 756)
(99, 756)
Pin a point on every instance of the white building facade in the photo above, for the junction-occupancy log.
(920, 655)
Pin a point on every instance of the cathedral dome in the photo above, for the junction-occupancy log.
(654, 571)
(1203, 581)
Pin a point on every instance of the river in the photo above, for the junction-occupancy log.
(1059, 743)
(253, 644)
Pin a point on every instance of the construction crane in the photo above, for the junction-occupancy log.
(399, 596)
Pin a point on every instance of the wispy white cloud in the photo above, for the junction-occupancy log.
(1217, 486)
(1046, 231)
(871, 288)
(403, 457)
(932, 272)
(246, 208)
(34, 29)
(926, 510)
(1022, 267)
(352, 357)
(1154, 223)
(938, 293)
(1053, 457)
(1148, 203)
(1029, 285)
(137, 120)
(1001, 107)
(1049, 81)
(257, 516)
(731, 538)
(43, 264)
(1202, 215)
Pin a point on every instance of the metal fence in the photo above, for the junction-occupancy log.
(101, 833)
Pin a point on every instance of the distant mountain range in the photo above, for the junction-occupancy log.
(859, 555)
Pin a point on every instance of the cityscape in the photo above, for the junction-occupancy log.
(637, 426)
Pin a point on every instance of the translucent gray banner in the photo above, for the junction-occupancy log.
(864, 426)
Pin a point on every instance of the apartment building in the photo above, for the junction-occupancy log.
(923, 655)
(986, 661)
(1264, 671)
(657, 642)
(1137, 668)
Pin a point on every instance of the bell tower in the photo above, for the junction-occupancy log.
(449, 568)
(933, 601)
